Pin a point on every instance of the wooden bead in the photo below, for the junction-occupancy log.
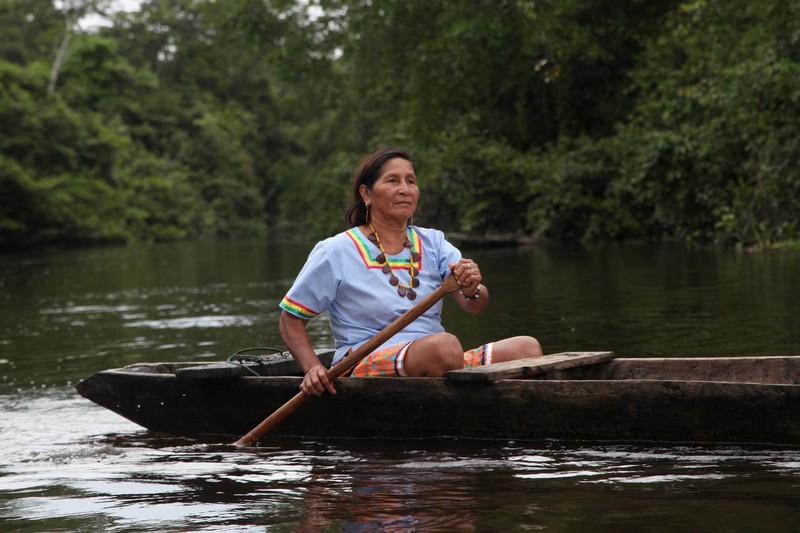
(386, 268)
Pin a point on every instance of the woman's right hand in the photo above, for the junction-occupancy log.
(316, 381)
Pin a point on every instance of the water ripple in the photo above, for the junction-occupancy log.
(221, 321)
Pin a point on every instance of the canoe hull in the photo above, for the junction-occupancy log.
(614, 410)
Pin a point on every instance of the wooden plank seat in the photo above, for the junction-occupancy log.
(526, 368)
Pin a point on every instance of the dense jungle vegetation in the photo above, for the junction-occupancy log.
(572, 120)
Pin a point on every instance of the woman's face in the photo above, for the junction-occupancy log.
(395, 193)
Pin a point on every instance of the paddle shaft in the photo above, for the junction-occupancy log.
(352, 359)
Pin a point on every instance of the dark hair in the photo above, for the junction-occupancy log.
(368, 171)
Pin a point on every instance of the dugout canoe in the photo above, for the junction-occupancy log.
(576, 396)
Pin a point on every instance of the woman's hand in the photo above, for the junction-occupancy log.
(293, 331)
(316, 381)
(473, 297)
(468, 275)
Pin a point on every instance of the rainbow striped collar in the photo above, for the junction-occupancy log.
(369, 251)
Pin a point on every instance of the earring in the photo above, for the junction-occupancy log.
(366, 214)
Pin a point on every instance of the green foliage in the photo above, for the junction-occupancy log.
(570, 120)
(718, 117)
(31, 30)
(222, 170)
(162, 203)
(476, 185)
(574, 196)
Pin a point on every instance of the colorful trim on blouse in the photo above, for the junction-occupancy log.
(287, 304)
(368, 251)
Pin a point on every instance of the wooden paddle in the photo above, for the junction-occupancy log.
(352, 359)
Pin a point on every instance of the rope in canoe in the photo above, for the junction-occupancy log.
(245, 359)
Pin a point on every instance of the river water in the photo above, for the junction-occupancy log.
(68, 465)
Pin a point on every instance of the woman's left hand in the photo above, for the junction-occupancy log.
(467, 274)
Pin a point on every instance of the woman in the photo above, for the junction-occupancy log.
(369, 275)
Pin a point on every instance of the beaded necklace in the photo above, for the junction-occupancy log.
(413, 282)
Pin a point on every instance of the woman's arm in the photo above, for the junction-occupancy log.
(473, 307)
(294, 334)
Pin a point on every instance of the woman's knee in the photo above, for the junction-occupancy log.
(447, 352)
(531, 347)
(434, 355)
(513, 348)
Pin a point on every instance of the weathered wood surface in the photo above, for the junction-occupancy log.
(743, 369)
(526, 368)
(763, 406)
(413, 408)
(210, 371)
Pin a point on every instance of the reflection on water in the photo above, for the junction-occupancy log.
(86, 468)
(93, 469)
(66, 464)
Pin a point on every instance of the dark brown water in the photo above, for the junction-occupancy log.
(67, 465)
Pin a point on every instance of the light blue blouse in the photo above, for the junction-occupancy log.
(342, 276)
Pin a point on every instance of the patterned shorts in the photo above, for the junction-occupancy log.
(390, 361)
